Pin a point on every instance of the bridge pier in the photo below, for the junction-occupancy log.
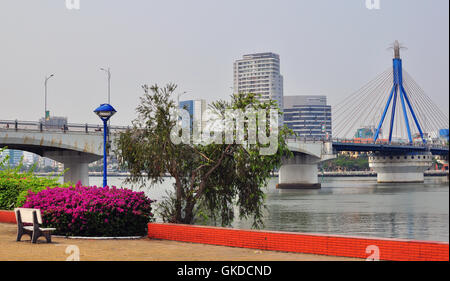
(299, 172)
(76, 162)
(400, 168)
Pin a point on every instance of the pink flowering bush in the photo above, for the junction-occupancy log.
(92, 211)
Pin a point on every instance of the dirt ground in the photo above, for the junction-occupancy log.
(144, 249)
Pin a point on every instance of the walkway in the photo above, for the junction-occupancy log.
(136, 250)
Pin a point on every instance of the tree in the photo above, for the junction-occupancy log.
(210, 178)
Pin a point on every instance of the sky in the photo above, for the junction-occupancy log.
(329, 47)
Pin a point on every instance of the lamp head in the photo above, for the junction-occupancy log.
(105, 111)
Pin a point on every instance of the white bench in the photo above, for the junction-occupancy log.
(28, 221)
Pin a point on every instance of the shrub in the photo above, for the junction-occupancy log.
(93, 211)
(13, 190)
(14, 185)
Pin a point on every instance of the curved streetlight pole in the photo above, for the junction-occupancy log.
(108, 72)
(45, 86)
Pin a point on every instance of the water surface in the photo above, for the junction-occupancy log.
(349, 206)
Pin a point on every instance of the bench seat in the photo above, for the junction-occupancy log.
(31, 216)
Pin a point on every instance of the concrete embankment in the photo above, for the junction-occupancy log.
(374, 174)
(433, 173)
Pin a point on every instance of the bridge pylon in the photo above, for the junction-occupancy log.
(398, 92)
(409, 167)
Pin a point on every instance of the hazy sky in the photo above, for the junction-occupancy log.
(326, 47)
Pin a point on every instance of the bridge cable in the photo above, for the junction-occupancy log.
(436, 121)
(357, 106)
(339, 111)
(363, 105)
(358, 100)
(440, 119)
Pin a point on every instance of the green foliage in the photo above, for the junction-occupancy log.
(14, 184)
(210, 179)
(347, 163)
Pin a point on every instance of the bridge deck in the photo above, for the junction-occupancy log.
(389, 148)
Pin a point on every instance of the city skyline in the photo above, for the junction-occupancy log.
(334, 55)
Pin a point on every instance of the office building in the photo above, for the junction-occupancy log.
(443, 134)
(259, 74)
(15, 156)
(196, 109)
(308, 116)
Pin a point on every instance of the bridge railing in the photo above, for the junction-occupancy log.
(65, 128)
(308, 139)
(429, 144)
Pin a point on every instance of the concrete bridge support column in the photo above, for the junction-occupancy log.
(77, 172)
(400, 168)
(76, 163)
(299, 172)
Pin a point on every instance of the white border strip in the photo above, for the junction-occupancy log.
(100, 238)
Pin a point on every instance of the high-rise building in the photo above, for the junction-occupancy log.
(15, 156)
(443, 134)
(259, 74)
(308, 116)
(196, 109)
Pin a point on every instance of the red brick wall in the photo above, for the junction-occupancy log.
(7, 216)
(333, 245)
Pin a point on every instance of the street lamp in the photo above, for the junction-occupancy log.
(105, 111)
(178, 98)
(46, 113)
(108, 72)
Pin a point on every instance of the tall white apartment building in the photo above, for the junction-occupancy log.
(259, 74)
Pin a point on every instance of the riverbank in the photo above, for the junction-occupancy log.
(191, 242)
(374, 174)
(431, 173)
(144, 249)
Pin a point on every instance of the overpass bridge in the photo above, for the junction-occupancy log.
(74, 145)
(77, 145)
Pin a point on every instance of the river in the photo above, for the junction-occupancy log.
(348, 206)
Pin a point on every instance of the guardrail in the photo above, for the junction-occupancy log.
(380, 142)
(368, 141)
(69, 127)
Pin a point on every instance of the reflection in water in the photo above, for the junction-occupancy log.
(351, 206)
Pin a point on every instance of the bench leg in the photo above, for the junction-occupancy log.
(19, 234)
(35, 236)
(48, 236)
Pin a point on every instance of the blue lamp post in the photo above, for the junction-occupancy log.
(105, 111)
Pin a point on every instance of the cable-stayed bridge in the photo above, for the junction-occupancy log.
(393, 105)
(400, 125)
